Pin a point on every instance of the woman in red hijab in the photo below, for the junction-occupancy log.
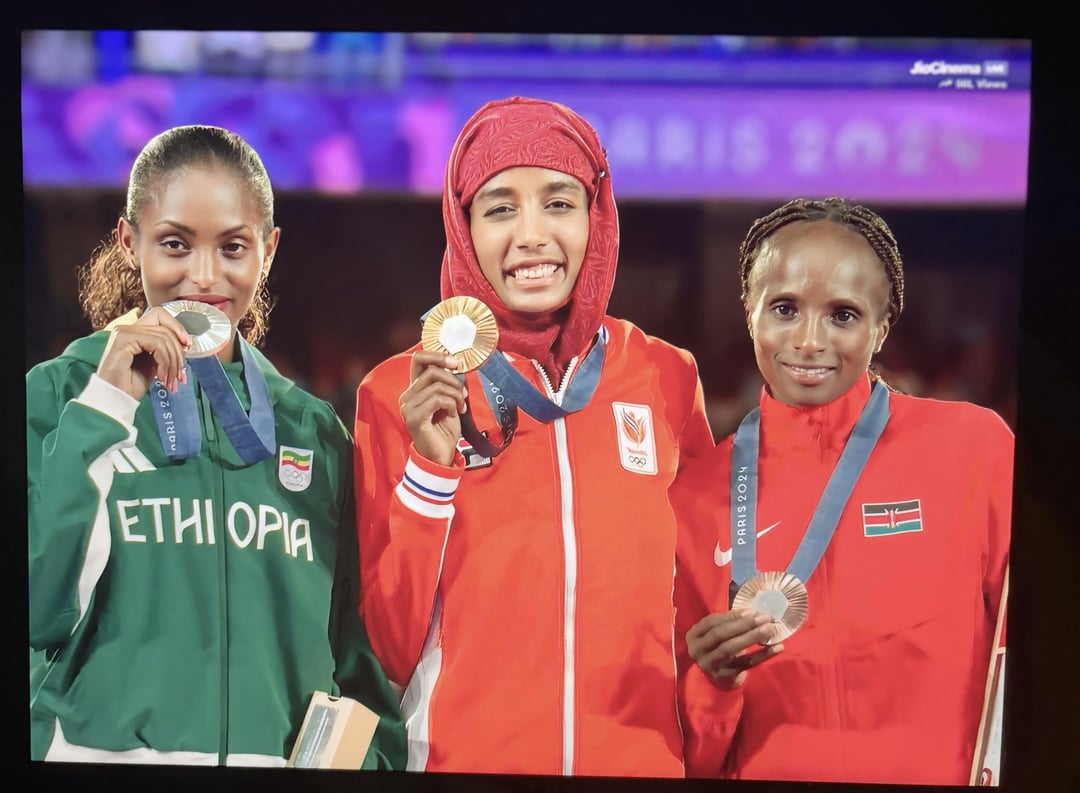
(518, 581)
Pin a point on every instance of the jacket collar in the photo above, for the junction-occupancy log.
(821, 428)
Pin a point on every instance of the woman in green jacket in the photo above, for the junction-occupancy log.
(192, 553)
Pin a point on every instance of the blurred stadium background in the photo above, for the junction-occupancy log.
(704, 134)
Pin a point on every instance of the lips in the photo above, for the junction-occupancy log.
(808, 375)
(217, 301)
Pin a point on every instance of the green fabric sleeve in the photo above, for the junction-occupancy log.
(69, 473)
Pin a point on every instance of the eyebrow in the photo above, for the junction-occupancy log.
(794, 295)
(558, 186)
(188, 230)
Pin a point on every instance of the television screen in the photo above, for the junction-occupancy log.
(703, 134)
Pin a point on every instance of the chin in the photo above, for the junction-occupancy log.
(536, 306)
(817, 399)
(802, 397)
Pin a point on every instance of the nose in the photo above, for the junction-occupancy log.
(531, 230)
(809, 334)
(204, 269)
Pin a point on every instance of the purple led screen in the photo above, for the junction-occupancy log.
(915, 143)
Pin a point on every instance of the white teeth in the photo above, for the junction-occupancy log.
(803, 370)
(536, 271)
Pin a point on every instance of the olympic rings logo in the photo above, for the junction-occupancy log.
(637, 460)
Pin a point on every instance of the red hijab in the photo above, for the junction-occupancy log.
(530, 132)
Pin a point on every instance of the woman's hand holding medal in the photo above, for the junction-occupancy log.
(432, 404)
(458, 335)
(719, 644)
(154, 346)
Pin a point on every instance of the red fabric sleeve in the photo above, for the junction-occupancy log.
(401, 535)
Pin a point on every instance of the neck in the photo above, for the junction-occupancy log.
(231, 351)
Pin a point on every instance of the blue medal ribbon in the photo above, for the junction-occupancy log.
(252, 433)
(523, 394)
(177, 420)
(507, 390)
(744, 490)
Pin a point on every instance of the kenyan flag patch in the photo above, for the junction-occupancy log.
(895, 518)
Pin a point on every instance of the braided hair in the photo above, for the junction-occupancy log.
(110, 285)
(865, 222)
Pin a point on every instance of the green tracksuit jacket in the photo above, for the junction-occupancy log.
(185, 612)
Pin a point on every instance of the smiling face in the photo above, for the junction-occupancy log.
(200, 237)
(816, 308)
(530, 230)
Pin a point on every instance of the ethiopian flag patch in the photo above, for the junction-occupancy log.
(893, 518)
(294, 467)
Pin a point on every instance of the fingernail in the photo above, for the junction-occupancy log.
(451, 362)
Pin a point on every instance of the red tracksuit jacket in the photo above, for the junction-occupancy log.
(527, 606)
(884, 683)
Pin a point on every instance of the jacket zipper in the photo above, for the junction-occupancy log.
(569, 537)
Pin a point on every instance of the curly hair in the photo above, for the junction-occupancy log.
(110, 284)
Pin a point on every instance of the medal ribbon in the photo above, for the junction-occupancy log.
(523, 394)
(744, 489)
(251, 433)
(177, 420)
(507, 389)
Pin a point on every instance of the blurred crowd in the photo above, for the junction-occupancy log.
(976, 365)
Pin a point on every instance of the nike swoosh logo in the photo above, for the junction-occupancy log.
(724, 557)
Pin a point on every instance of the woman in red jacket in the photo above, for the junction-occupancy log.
(519, 585)
(871, 525)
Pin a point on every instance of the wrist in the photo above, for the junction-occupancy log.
(108, 398)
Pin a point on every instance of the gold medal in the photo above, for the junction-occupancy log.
(463, 327)
(780, 595)
(208, 327)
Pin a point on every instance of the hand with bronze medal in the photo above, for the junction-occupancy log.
(458, 335)
(780, 598)
(719, 644)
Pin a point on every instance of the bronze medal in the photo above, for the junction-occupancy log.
(780, 595)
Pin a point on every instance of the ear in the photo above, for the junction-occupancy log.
(271, 248)
(882, 337)
(749, 325)
(125, 239)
